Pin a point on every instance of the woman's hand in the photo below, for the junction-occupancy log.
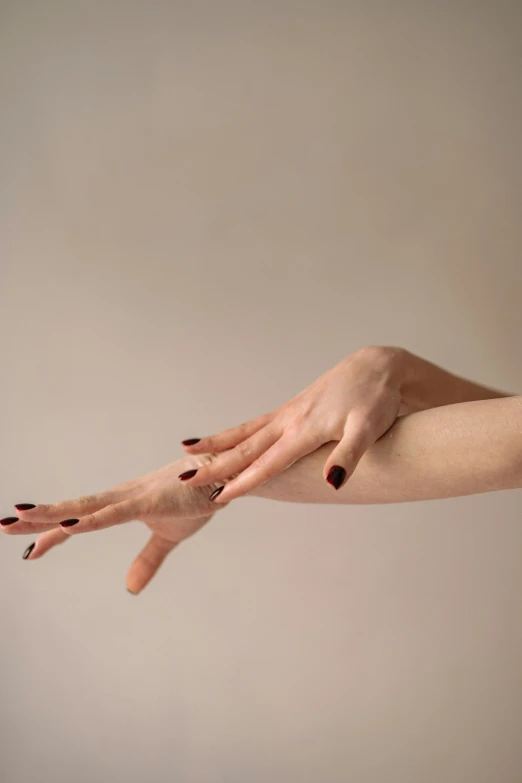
(354, 403)
(170, 510)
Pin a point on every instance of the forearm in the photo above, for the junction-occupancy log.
(425, 385)
(460, 449)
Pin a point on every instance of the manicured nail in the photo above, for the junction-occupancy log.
(8, 521)
(69, 522)
(216, 493)
(24, 506)
(28, 550)
(336, 476)
(191, 441)
(188, 474)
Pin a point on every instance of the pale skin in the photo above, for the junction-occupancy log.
(354, 403)
(459, 449)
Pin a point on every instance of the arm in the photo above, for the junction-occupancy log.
(455, 450)
(425, 385)
(462, 449)
(353, 405)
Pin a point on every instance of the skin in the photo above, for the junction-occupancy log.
(459, 449)
(354, 403)
(463, 449)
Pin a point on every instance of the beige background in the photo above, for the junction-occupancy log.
(203, 207)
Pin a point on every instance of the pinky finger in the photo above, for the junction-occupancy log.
(44, 543)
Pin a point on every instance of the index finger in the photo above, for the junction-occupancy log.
(274, 461)
(226, 439)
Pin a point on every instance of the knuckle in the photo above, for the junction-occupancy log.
(300, 407)
(351, 454)
(203, 474)
(89, 522)
(244, 450)
(152, 556)
(277, 427)
(365, 426)
(379, 400)
(332, 425)
(296, 427)
(243, 430)
(313, 438)
(260, 464)
(111, 515)
(86, 500)
(212, 472)
(147, 503)
(264, 469)
(360, 419)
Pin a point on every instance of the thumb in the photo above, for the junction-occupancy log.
(147, 563)
(358, 436)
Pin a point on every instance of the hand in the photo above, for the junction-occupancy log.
(354, 403)
(170, 510)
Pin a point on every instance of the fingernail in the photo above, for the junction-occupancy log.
(24, 506)
(336, 476)
(188, 474)
(216, 493)
(8, 521)
(28, 550)
(131, 592)
(191, 441)
(69, 522)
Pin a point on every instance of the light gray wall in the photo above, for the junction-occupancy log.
(203, 207)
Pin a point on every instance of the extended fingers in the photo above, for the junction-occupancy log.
(287, 450)
(228, 438)
(47, 516)
(117, 514)
(230, 462)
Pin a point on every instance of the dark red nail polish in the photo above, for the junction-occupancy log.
(69, 522)
(24, 506)
(336, 476)
(8, 521)
(188, 474)
(191, 441)
(216, 493)
(28, 550)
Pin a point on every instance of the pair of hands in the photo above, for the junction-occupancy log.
(354, 403)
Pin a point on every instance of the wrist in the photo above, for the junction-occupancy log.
(424, 385)
(408, 374)
(410, 380)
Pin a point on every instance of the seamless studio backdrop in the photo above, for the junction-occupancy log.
(203, 207)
